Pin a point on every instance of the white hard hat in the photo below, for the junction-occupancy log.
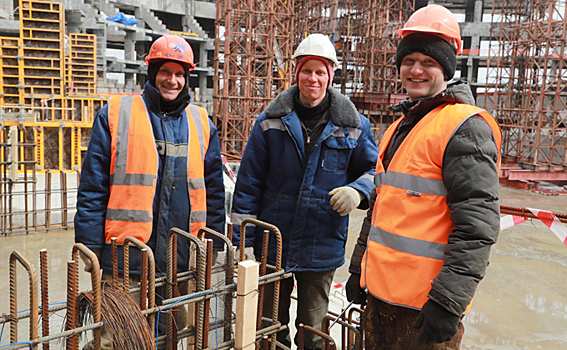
(317, 45)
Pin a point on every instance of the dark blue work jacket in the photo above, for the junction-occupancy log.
(277, 183)
(171, 202)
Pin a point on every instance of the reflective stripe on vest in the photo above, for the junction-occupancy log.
(199, 135)
(134, 169)
(132, 182)
(410, 220)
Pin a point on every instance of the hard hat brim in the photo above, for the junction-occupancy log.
(403, 32)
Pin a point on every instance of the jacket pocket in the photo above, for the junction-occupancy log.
(330, 237)
(336, 154)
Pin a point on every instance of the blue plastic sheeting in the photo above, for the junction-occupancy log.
(121, 18)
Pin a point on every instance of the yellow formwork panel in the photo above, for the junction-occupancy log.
(82, 75)
(47, 109)
(59, 131)
(42, 30)
(11, 71)
(72, 109)
(82, 109)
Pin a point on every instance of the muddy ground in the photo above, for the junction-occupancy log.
(521, 303)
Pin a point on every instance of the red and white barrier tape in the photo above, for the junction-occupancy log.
(228, 169)
(547, 217)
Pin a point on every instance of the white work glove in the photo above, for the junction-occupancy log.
(345, 199)
(87, 261)
(248, 254)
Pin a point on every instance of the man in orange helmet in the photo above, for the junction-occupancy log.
(424, 247)
(153, 163)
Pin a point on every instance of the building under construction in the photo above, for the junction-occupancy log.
(60, 61)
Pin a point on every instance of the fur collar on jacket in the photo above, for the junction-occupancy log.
(341, 110)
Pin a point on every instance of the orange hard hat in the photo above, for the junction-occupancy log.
(171, 47)
(437, 20)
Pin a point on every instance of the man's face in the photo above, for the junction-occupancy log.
(170, 80)
(421, 76)
(312, 81)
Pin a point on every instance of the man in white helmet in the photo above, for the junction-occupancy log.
(310, 161)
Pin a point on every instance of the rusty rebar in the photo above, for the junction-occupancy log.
(144, 279)
(278, 266)
(95, 286)
(262, 272)
(229, 231)
(265, 343)
(148, 277)
(526, 213)
(229, 275)
(171, 289)
(72, 303)
(125, 267)
(114, 246)
(43, 271)
(327, 339)
(171, 241)
(33, 285)
(207, 303)
(358, 340)
(300, 337)
(347, 329)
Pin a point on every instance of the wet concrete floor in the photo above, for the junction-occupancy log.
(521, 303)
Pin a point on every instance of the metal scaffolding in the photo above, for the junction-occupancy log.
(253, 54)
(372, 41)
(524, 69)
(316, 16)
(526, 87)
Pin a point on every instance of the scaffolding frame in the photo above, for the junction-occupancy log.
(372, 42)
(254, 57)
(526, 87)
(316, 16)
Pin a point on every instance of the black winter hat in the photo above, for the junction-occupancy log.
(431, 45)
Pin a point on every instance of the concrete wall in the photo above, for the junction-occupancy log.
(205, 9)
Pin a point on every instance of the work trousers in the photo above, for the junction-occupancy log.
(312, 304)
(388, 326)
(182, 313)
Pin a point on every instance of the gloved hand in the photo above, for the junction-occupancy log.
(248, 254)
(437, 324)
(354, 292)
(345, 199)
(87, 261)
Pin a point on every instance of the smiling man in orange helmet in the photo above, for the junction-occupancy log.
(424, 247)
(153, 163)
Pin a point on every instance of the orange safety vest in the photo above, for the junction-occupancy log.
(410, 219)
(134, 169)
